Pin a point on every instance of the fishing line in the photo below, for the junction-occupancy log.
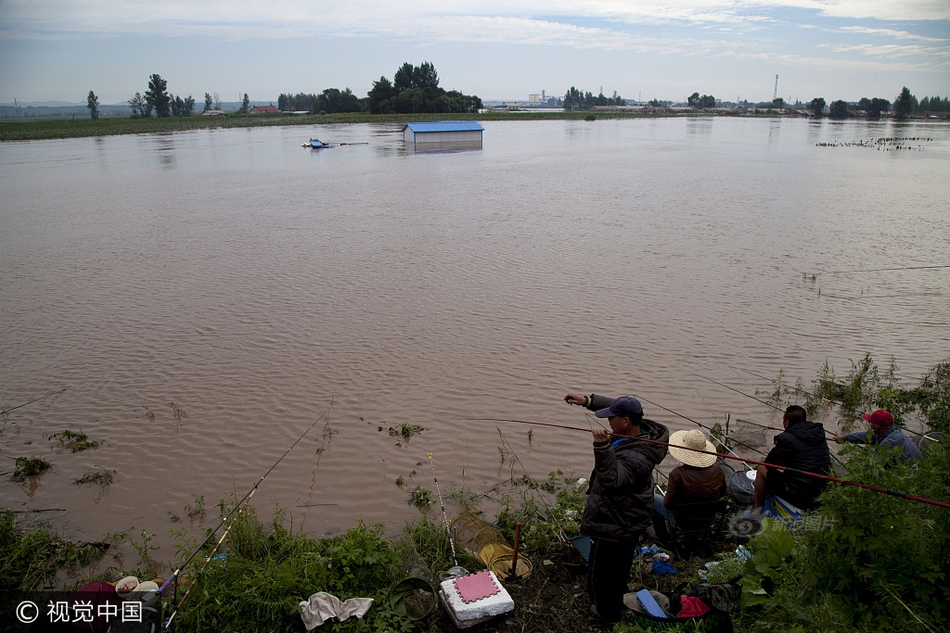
(831, 400)
(703, 426)
(796, 471)
(768, 404)
(881, 270)
(445, 520)
(6, 411)
(242, 503)
(562, 535)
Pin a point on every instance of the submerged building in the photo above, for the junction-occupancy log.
(443, 132)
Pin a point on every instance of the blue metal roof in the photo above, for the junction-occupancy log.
(445, 126)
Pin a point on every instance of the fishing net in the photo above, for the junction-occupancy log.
(488, 546)
(750, 433)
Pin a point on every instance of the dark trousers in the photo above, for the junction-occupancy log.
(608, 569)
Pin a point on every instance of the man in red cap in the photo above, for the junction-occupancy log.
(883, 433)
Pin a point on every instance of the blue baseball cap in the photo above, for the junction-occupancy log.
(624, 406)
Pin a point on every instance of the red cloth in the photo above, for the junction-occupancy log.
(96, 594)
(691, 607)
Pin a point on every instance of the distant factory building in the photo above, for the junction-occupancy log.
(442, 132)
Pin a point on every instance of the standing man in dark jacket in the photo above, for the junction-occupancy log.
(620, 496)
(803, 447)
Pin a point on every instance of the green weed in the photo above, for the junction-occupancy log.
(74, 441)
(98, 478)
(29, 467)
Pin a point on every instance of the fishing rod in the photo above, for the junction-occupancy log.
(832, 400)
(768, 404)
(242, 503)
(796, 471)
(703, 426)
(6, 411)
(445, 521)
(562, 535)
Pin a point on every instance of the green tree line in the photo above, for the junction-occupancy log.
(574, 99)
(905, 105)
(415, 89)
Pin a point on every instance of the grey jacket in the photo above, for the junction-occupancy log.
(620, 493)
(893, 437)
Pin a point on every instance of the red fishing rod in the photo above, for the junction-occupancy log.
(796, 471)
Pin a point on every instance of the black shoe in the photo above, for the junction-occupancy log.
(596, 614)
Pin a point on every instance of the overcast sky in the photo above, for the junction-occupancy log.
(664, 49)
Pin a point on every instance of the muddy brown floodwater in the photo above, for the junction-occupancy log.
(205, 297)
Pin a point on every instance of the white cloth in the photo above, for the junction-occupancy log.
(321, 606)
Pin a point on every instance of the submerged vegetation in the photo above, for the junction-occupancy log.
(863, 561)
(29, 467)
(74, 441)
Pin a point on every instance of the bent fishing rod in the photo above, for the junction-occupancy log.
(240, 504)
(789, 469)
(831, 400)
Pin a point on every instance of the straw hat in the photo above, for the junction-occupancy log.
(631, 601)
(692, 439)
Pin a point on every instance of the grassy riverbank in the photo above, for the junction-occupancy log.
(864, 561)
(43, 129)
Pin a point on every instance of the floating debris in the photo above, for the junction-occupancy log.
(887, 144)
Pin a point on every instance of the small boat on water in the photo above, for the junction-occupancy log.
(316, 143)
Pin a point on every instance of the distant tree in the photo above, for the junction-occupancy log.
(402, 80)
(182, 107)
(412, 90)
(839, 110)
(778, 103)
(157, 96)
(693, 100)
(378, 98)
(817, 106)
(209, 103)
(332, 101)
(707, 101)
(92, 102)
(904, 105)
(874, 107)
(245, 105)
(140, 107)
(424, 76)
(217, 101)
(935, 104)
(573, 99)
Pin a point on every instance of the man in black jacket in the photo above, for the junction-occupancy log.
(620, 496)
(803, 447)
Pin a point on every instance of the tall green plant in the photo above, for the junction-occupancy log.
(874, 562)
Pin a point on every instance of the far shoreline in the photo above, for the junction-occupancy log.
(63, 128)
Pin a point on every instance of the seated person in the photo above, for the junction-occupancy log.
(801, 446)
(883, 433)
(699, 479)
